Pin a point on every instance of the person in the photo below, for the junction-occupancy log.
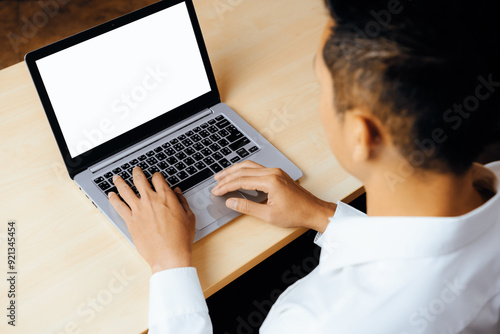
(409, 97)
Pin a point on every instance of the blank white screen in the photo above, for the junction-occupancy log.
(112, 83)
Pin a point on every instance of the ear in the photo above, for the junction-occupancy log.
(367, 136)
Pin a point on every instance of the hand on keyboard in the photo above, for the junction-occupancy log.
(161, 223)
(288, 204)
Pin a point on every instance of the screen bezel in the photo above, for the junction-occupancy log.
(83, 161)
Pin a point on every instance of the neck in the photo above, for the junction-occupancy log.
(422, 194)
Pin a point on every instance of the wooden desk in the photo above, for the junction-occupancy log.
(77, 274)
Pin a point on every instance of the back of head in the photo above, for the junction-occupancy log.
(429, 70)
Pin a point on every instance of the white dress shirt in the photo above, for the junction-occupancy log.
(385, 275)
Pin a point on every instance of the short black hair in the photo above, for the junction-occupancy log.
(418, 66)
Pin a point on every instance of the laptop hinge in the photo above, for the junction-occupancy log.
(148, 141)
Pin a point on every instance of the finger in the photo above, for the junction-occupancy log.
(140, 182)
(162, 187)
(260, 183)
(183, 201)
(245, 173)
(236, 167)
(120, 207)
(125, 191)
(248, 207)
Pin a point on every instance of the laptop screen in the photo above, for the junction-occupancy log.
(117, 81)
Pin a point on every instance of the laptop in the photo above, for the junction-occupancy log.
(140, 91)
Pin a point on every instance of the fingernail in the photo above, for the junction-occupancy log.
(232, 203)
(178, 190)
(115, 177)
(109, 194)
(215, 190)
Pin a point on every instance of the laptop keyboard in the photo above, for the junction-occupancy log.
(188, 159)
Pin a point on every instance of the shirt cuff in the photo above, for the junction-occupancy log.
(342, 210)
(175, 292)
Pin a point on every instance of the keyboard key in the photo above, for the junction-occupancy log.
(110, 181)
(152, 161)
(179, 147)
(158, 149)
(112, 189)
(170, 151)
(204, 126)
(189, 151)
(134, 162)
(117, 170)
(189, 161)
(191, 170)
(226, 151)
(206, 142)
(161, 156)
(197, 129)
(166, 145)
(204, 133)
(224, 163)
(215, 147)
(172, 160)
(235, 160)
(189, 133)
(125, 166)
(198, 146)
(239, 143)
(208, 160)
(212, 121)
(147, 174)
(108, 175)
(242, 153)
(223, 142)
(198, 156)
(187, 142)
(104, 185)
(171, 171)
(173, 180)
(181, 156)
(124, 175)
(219, 118)
(214, 137)
(200, 165)
(213, 129)
(180, 166)
(130, 170)
(143, 165)
(150, 153)
(153, 170)
(222, 124)
(163, 165)
(217, 156)
(216, 168)
(195, 179)
(142, 157)
(181, 137)
(174, 141)
(99, 180)
(253, 149)
(224, 133)
(183, 175)
(196, 138)
(234, 135)
(206, 152)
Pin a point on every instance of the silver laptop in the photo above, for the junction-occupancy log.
(140, 91)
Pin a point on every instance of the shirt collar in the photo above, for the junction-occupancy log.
(353, 239)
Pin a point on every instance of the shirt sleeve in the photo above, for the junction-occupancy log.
(342, 210)
(177, 304)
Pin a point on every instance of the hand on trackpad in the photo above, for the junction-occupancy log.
(207, 207)
(253, 195)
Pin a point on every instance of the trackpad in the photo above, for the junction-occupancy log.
(207, 207)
